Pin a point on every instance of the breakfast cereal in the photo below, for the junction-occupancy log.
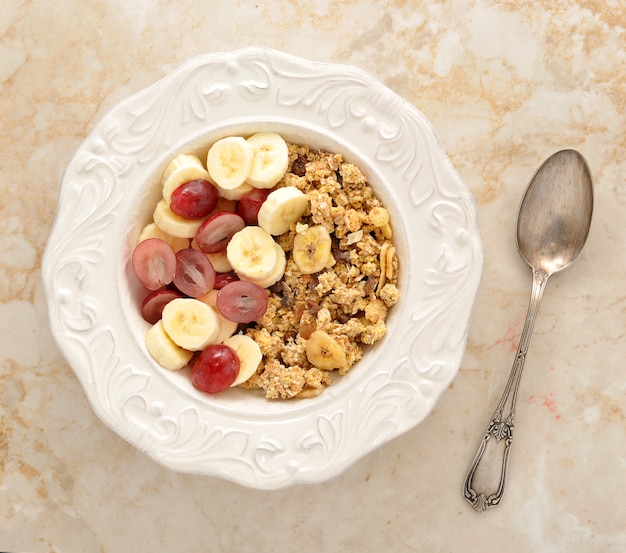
(348, 300)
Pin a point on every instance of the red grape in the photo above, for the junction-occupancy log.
(215, 233)
(153, 304)
(194, 273)
(222, 279)
(250, 203)
(242, 301)
(154, 263)
(194, 199)
(215, 369)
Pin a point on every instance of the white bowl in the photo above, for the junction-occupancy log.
(107, 195)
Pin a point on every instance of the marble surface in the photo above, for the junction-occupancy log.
(505, 84)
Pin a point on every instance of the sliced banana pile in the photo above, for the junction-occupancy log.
(235, 166)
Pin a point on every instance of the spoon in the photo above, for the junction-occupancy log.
(552, 227)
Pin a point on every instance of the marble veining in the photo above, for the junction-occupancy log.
(505, 84)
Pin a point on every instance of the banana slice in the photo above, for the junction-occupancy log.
(190, 323)
(236, 193)
(152, 231)
(181, 160)
(282, 207)
(249, 354)
(276, 274)
(164, 351)
(324, 352)
(227, 327)
(220, 262)
(252, 253)
(173, 224)
(229, 162)
(311, 249)
(271, 159)
(183, 168)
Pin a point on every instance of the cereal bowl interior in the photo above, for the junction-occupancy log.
(132, 293)
(108, 194)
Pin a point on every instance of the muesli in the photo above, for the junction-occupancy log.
(318, 323)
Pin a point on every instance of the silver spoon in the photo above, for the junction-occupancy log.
(552, 227)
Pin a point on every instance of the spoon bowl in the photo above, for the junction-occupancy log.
(555, 212)
(552, 228)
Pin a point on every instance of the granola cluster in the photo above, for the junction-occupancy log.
(348, 300)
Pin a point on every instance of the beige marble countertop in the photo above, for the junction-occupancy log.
(505, 83)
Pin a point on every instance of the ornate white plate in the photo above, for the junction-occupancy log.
(107, 195)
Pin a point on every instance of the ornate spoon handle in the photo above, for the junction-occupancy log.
(486, 479)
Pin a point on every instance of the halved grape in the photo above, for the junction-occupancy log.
(215, 233)
(242, 301)
(153, 304)
(215, 369)
(194, 273)
(250, 203)
(194, 199)
(154, 263)
(222, 279)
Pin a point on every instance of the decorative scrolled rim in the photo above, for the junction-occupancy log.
(83, 284)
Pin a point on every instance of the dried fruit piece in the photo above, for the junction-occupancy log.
(312, 249)
(324, 352)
